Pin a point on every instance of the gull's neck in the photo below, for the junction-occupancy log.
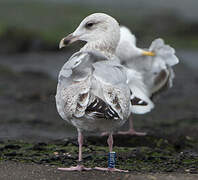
(107, 51)
(107, 45)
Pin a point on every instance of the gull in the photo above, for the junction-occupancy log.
(92, 91)
(155, 65)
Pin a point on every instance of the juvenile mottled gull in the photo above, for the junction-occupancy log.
(92, 92)
(155, 66)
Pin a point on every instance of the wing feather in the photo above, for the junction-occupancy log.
(85, 84)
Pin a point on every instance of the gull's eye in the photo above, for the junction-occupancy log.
(89, 24)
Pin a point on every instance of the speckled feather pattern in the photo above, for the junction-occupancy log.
(73, 99)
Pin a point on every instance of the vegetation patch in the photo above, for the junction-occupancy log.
(152, 154)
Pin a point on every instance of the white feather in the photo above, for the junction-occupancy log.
(145, 69)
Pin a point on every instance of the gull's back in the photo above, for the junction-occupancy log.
(92, 93)
(127, 44)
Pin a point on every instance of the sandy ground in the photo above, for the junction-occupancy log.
(22, 171)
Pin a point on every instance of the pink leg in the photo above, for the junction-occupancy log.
(110, 143)
(78, 167)
(131, 130)
(80, 142)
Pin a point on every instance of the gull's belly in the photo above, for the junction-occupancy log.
(87, 123)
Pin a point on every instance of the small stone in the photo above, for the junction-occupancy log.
(56, 153)
(12, 146)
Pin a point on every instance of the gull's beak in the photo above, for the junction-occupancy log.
(148, 53)
(67, 40)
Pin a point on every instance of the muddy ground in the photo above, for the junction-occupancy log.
(33, 136)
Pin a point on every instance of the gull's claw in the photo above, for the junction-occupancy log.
(132, 132)
(110, 169)
(75, 168)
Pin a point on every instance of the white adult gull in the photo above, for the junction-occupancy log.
(155, 66)
(92, 93)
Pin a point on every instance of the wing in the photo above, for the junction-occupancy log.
(140, 100)
(83, 84)
(71, 85)
(99, 109)
(110, 72)
(74, 83)
(140, 103)
(111, 79)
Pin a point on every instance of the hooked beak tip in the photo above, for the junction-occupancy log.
(67, 40)
(61, 44)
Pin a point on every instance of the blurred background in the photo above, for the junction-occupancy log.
(30, 32)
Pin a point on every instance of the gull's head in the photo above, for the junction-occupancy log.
(98, 29)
